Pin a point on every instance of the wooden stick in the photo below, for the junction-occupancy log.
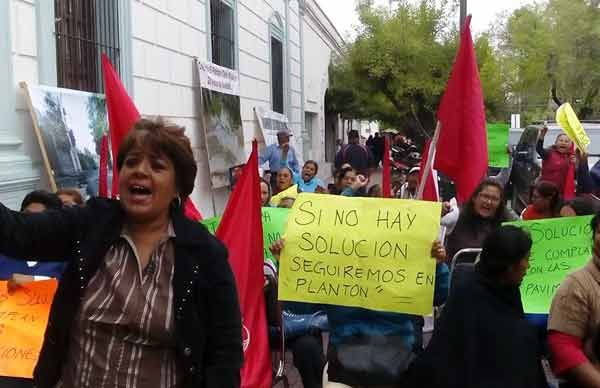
(38, 134)
(425, 174)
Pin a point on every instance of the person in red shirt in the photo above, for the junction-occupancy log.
(545, 202)
(556, 159)
(574, 321)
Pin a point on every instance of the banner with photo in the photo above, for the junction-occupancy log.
(270, 123)
(69, 125)
(221, 120)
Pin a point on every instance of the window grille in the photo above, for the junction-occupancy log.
(84, 30)
(222, 34)
(277, 74)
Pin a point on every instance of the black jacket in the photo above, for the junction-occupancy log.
(207, 313)
(481, 340)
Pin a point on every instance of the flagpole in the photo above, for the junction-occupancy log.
(425, 174)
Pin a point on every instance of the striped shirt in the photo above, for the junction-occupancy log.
(124, 331)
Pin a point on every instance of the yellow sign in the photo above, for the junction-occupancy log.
(360, 252)
(292, 192)
(566, 117)
(23, 320)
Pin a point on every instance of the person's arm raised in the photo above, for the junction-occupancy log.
(43, 236)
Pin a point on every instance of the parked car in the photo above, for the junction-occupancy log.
(527, 164)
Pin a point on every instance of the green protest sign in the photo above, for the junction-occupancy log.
(560, 246)
(497, 137)
(274, 221)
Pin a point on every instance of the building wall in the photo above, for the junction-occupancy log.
(160, 40)
(20, 166)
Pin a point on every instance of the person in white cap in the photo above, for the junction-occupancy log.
(409, 189)
(280, 155)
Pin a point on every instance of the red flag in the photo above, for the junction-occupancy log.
(191, 211)
(241, 231)
(462, 151)
(387, 170)
(122, 114)
(430, 192)
(103, 175)
(569, 188)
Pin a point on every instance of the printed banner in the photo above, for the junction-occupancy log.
(219, 79)
(274, 221)
(271, 123)
(360, 252)
(497, 136)
(560, 246)
(222, 122)
(23, 320)
(69, 126)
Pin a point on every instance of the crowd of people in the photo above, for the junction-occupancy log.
(483, 338)
(146, 297)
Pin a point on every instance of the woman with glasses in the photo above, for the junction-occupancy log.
(481, 215)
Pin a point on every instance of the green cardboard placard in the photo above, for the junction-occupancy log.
(274, 221)
(497, 136)
(560, 246)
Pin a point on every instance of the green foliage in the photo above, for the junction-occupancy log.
(396, 70)
(97, 119)
(553, 44)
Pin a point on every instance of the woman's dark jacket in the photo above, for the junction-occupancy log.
(481, 340)
(208, 320)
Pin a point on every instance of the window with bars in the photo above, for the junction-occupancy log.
(222, 33)
(277, 74)
(84, 30)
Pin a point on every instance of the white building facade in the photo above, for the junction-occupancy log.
(282, 50)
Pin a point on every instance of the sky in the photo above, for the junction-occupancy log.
(342, 12)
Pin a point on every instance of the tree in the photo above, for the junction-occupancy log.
(550, 52)
(396, 70)
(97, 119)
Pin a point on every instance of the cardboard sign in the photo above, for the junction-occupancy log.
(566, 117)
(360, 252)
(560, 246)
(23, 320)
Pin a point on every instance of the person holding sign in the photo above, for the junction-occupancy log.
(556, 160)
(574, 322)
(149, 299)
(482, 338)
(19, 273)
(352, 328)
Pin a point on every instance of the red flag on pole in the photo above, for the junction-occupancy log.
(122, 114)
(430, 192)
(569, 187)
(191, 211)
(462, 151)
(241, 231)
(387, 170)
(103, 174)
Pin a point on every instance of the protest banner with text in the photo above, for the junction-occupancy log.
(23, 319)
(360, 252)
(560, 246)
(274, 221)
